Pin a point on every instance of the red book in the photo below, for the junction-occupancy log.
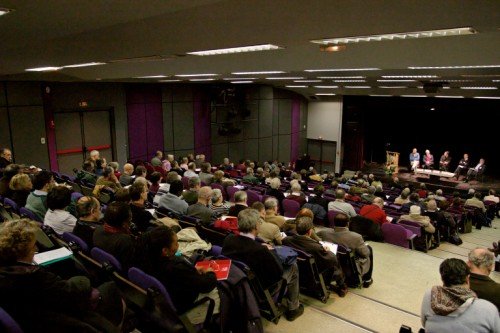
(220, 267)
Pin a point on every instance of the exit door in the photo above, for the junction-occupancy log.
(78, 132)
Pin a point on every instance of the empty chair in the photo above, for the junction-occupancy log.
(290, 207)
(70, 237)
(8, 324)
(25, 212)
(397, 235)
(104, 257)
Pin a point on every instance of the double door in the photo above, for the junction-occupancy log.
(78, 132)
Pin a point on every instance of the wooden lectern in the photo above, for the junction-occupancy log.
(392, 161)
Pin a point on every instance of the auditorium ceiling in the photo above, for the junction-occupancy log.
(149, 41)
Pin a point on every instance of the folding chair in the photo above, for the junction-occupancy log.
(347, 261)
(311, 280)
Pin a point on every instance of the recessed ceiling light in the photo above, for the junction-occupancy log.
(432, 109)
(285, 78)
(150, 77)
(4, 11)
(308, 81)
(479, 88)
(454, 67)
(43, 69)
(442, 96)
(410, 76)
(413, 96)
(195, 75)
(393, 87)
(173, 80)
(337, 81)
(357, 87)
(391, 80)
(239, 78)
(200, 80)
(296, 86)
(487, 97)
(325, 94)
(85, 64)
(258, 73)
(241, 82)
(326, 87)
(231, 50)
(398, 36)
(342, 69)
(341, 77)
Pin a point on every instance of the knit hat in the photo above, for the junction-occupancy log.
(415, 210)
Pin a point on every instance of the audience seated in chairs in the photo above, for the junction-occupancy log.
(57, 217)
(89, 217)
(240, 203)
(262, 261)
(454, 307)
(478, 170)
(217, 204)
(108, 179)
(340, 205)
(20, 186)
(403, 197)
(272, 215)
(10, 171)
(37, 200)
(141, 218)
(354, 241)
(191, 194)
(482, 263)
(268, 232)
(41, 301)
(205, 174)
(325, 260)
(463, 166)
(172, 200)
(415, 216)
(375, 211)
(184, 282)
(296, 194)
(127, 176)
(200, 209)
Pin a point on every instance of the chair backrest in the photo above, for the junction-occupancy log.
(395, 234)
(13, 205)
(76, 187)
(70, 237)
(211, 235)
(348, 263)
(25, 212)
(147, 281)
(75, 196)
(104, 257)
(185, 182)
(87, 191)
(8, 324)
(290, 207)
(331, 217)
(412, 226)
(252, 197)
(216, 250)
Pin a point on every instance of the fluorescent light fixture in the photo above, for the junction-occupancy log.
(4, 11)
(241, 82)
(410, 76)
(325, 94)
(173, 80)
(454, 67)
(480, 75)
(195, 75)
(348, 81)
(285, 78)
(479, 88)
(444, 87)
(393, 87)
(442, 96)
(491, 80)
(232, 50)
(342, 69)
(200, 80)
(258, 73)
(88, 64)
(43, 69)
(413, 96)
(296, 86)
(444, 81)
(391, 80)
(357, 87)
(381, 95)
(486, 97)
(150, 77)
(308, 81)
(397, 36)
(239, 78)
(342, 77)
(326, 87)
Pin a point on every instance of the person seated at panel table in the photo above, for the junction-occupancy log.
(444, 161)
(463, 166)
(414, 159)
(428, 160)
(473, 172)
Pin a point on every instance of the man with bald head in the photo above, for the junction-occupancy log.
(89, 217)
(481, 263)
(127, 176)
(200, 209)
(339, 205)
(375, 211)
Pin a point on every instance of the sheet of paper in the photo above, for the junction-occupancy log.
(332, 247)
(46, 258)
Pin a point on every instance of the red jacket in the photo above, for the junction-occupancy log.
(374, 213)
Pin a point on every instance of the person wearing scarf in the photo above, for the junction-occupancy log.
(454, 307)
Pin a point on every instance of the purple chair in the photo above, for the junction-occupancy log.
(291, 208)
(25, 212)
(104, 257)
(75, 196)
(397, 235)
(70, 237)
(14, 208)
(216, 250)
(252, 197)
(331, 217)
(231, 190)
(185, 182)
(418, 230)
(8, 324)
(221, 188)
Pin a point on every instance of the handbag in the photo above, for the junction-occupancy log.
(455, 239)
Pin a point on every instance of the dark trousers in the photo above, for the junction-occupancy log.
(368, 275)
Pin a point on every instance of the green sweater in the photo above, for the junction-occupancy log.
(37, 203)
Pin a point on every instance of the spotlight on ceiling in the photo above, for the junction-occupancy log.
(332, 48)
